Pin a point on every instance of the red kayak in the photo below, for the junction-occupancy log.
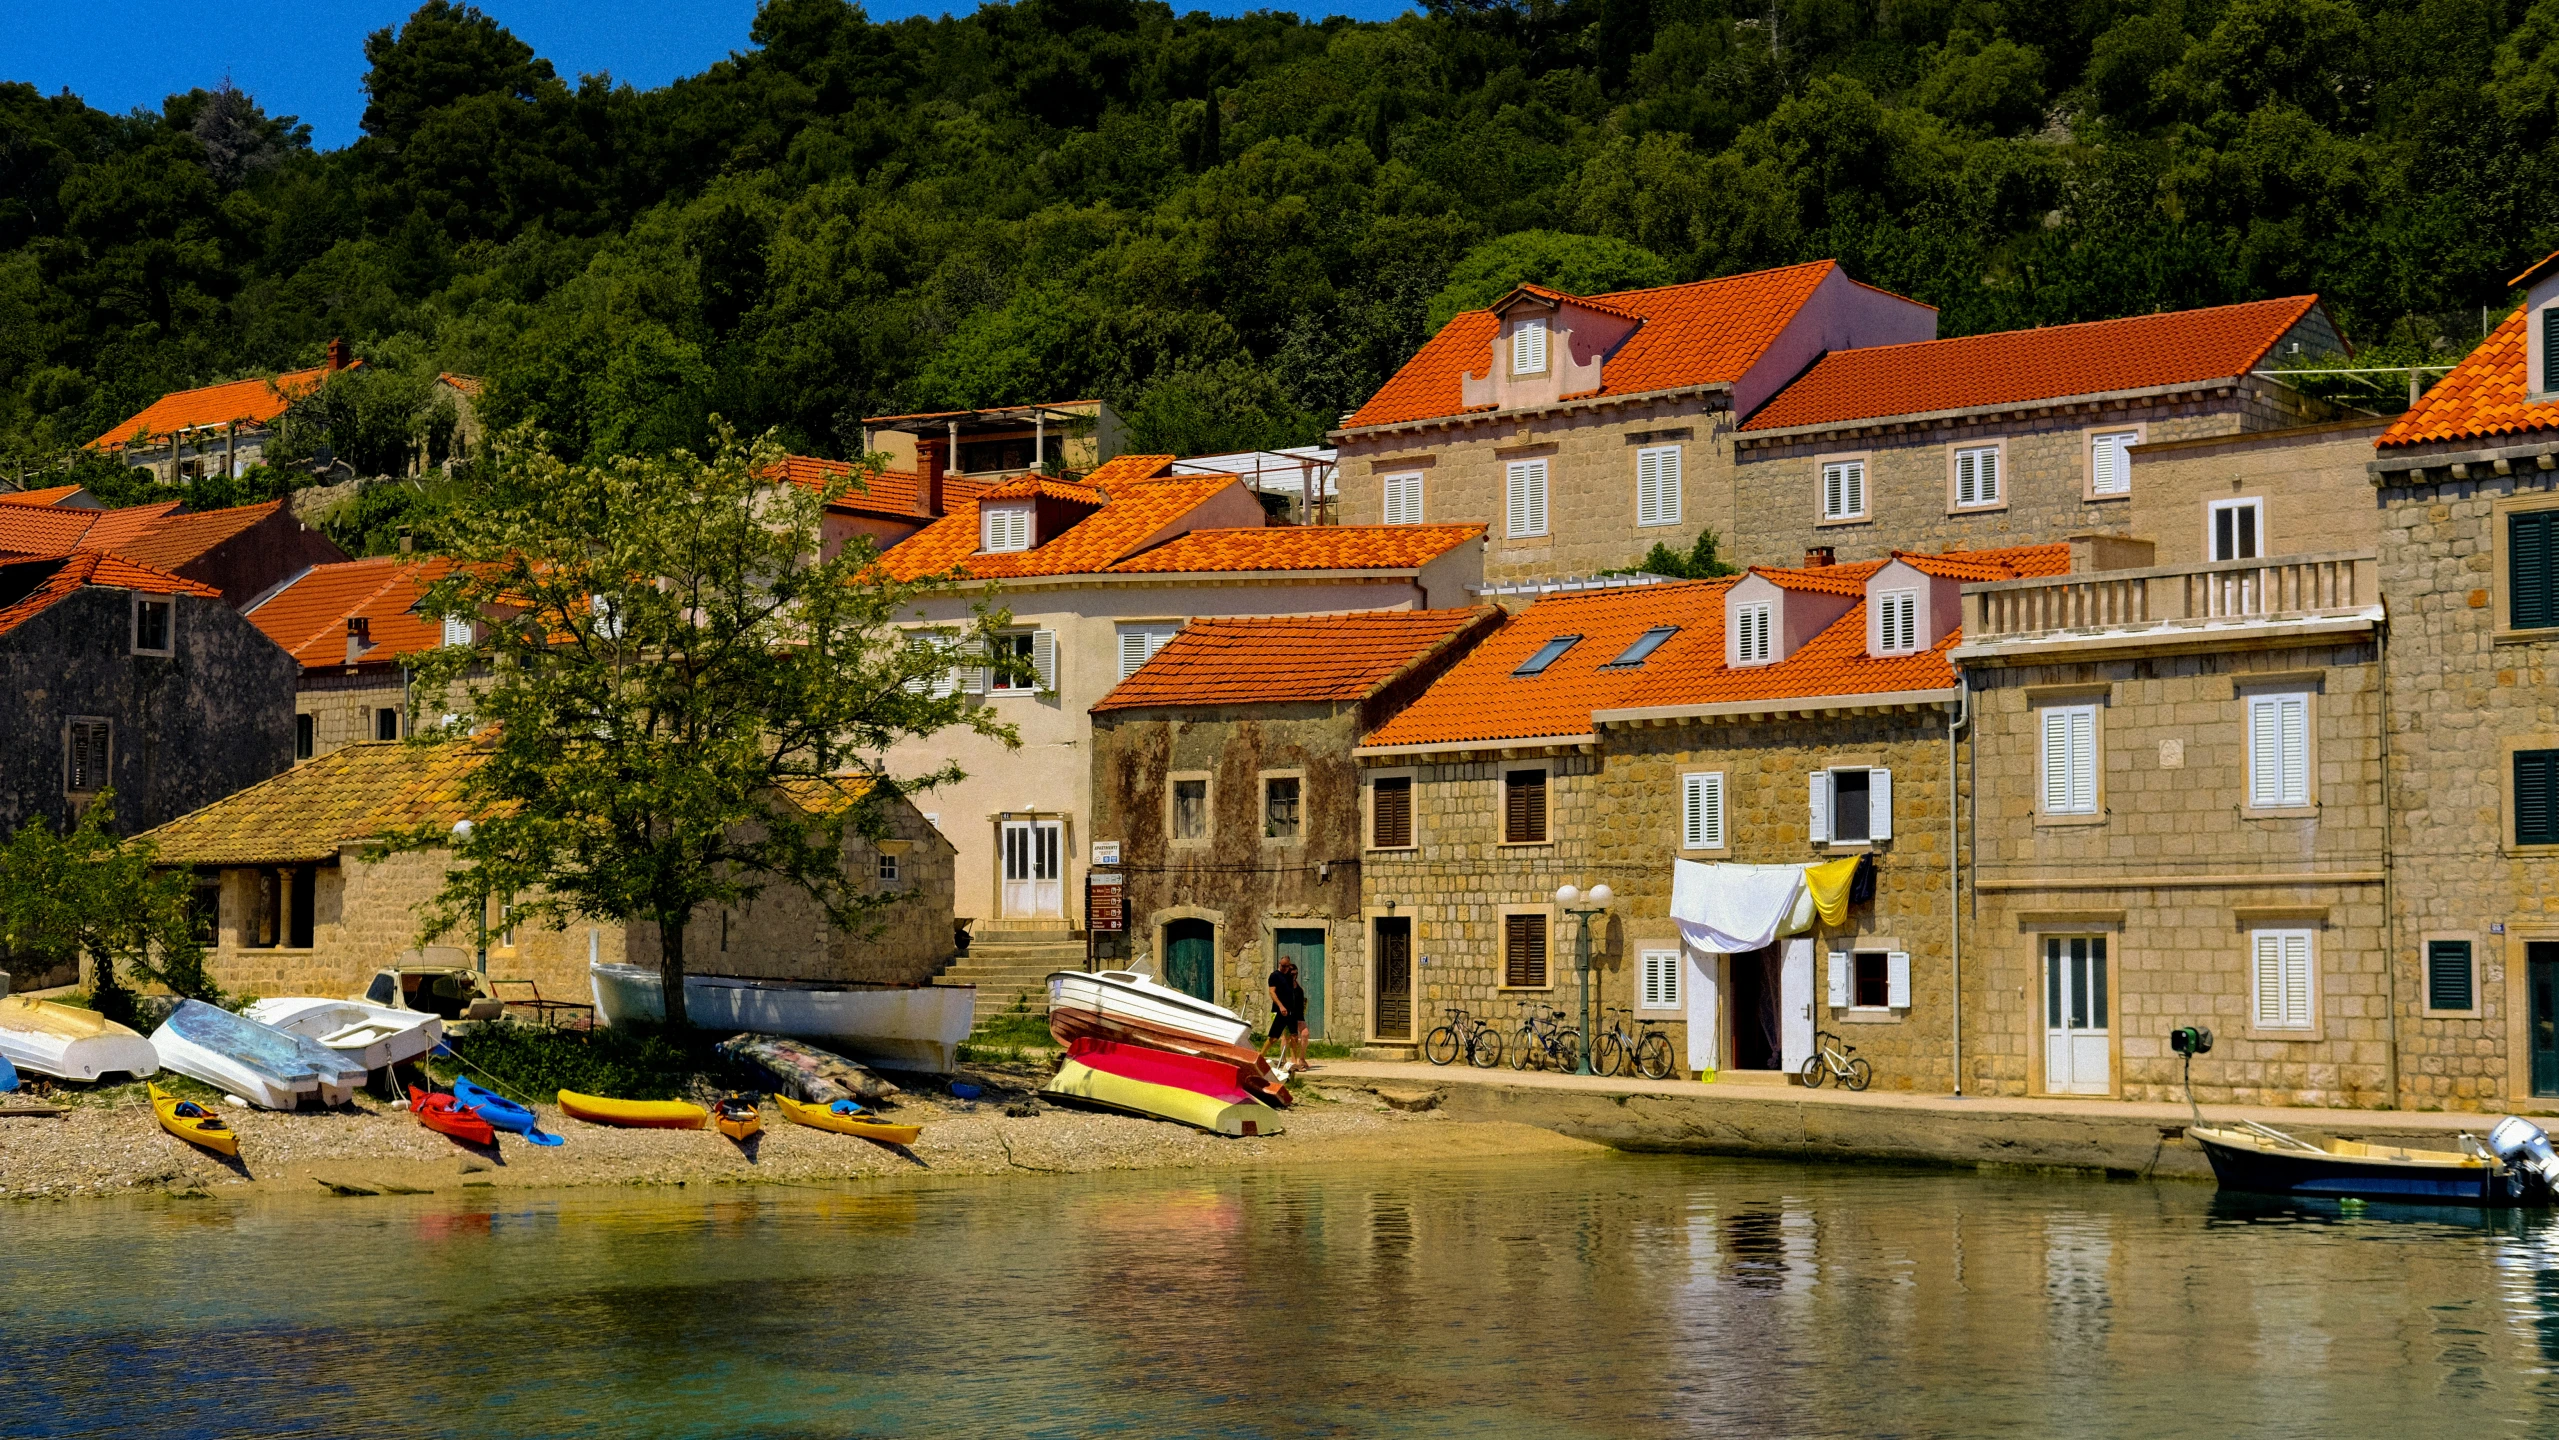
(1220, 1080)
(439, 1111)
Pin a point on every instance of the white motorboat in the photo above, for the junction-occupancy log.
(370, 1035)
(69, 1043)
(261, 1065)
(1131, 997)
(904, 1027)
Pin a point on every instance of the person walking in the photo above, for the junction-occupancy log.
(1288, 1014)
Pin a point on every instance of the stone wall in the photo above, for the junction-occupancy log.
(2317, 498)
(343, 707)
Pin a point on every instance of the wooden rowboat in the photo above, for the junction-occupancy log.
(847, 1121)
(193, 1123)
(2266, 1161)
(641, 1114)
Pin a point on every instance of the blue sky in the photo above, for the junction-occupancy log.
(307, 58)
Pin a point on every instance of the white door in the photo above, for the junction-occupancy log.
(1795, 1003)
(1032, 886)
(2076, 1059)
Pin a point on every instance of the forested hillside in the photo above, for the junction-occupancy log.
(1233, 229)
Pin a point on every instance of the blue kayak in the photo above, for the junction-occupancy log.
(500, 1112)
(8, 1075)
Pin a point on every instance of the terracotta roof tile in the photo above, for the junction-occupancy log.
(468, 384)
(179, 539)
(889, 493)
(1302, 547)
(2015, 367)
(54, 496)
(87, 569)
(1136, 514)
(161, 534)
(309, 615)
(1294, 658)
(1708, 332)
(1587, 302)
(2482, 399)
(1821, 579)
(250, 401)
(346, 797)
(1036, 487)
(29, 530)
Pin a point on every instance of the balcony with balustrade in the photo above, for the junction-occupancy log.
(2278, 600)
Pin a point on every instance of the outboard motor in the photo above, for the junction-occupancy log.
(2526, 1150)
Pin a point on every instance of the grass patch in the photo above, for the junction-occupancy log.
(627, 1062)
(1015, 1028)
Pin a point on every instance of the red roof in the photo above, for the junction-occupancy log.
(92, 570)
(54, 496)
(253, 402)
(890, 492)
(1292, 658)
(2017, 367)
(179, 539)
(1481, 700)
(308, 617)
(2482, 399)
(1135, 514)
(1705, 333)
(469, 385)
(1043, 487)
(159, 534)
(1302, 547)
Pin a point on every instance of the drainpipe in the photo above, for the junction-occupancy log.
(1956, 719)
(2389, 869)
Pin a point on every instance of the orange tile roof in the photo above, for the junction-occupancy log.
(468, 384)
(161, 534)
(1291, 658)
(1136, 514)
(2015, 367)
(1587, 302)
(92, 570)
(1480, 700)
(179, 539)
(2482, 399)
(251, 401)
(1035, 487)
(54, 496)
(1708, 332)
(1302, 547)
(309, 615)
(31, 530)
(1821, 579)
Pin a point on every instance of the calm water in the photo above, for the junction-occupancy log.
(1623, 1296)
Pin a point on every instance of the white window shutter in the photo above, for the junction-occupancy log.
(2111, 467)
(2267, 963)
(1044, 659)
(2297, 978)
(2278, 751)
(1963, 477)
(1821, 807)
(1856, 488)
(1702, 811)
(1839, 979)
(1404, 499)
(2083, 759)
(1132, 652)
(2057, 791)
(1879, 804)
(2293, 722)
(1832, 480)
(1987, 487)
(1897, 979)
(1528, 348)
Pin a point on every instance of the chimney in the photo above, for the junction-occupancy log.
(405, 541)
(930, 456)
(359, 637)
(1820, 555)
(337, 354)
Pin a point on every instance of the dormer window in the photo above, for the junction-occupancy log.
(1004, 527)
(1528, 348)
(457, 631)
(1751, 634)
(2549, 346)
(1897, 622)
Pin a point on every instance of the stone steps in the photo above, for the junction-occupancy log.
(1008, 968)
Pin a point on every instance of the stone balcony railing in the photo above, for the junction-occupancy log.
(2290, 587)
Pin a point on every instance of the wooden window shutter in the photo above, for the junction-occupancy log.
(1391, 813)
(1702, 811)
(1524, 806)
(2448, 984)
(86, 771)
(1839, 963)
(1044, 659)
(2537, 797)
(1879, 804)
(2532, 600)
(1820, 811)
(1524, 951)
(2549, 343)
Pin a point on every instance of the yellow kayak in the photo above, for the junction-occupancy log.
(819, 1117)
(736, 1119)
(655, 1114)
(193, 1123)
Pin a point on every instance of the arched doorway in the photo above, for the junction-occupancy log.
(1190, 958)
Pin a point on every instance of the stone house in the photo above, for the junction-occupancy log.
(1223, 770)
(123, 676)
(2291, 492)
(984, 447)
(242, 551)
(1097, 575)
(2015, 438)
(1582, 430)
(352, 626)
(890, 505)
(214, 429)
(292, 907)
(1785, 717)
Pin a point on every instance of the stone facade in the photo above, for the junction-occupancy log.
(346, 708)
(2313, 497)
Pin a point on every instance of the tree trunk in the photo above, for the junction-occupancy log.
(671, 930)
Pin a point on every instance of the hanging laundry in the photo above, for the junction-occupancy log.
(1829, 885)
(1734, 908)
(1861, 891)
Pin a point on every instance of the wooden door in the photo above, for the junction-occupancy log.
(1033, 884)
(2077, 1058)
(1190, 958)
(1306, 947)
(1391, 979)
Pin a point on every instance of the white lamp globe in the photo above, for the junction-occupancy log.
(1600, 894)
(461, 829)
(1566, 895)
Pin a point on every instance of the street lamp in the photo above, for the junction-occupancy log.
(1572, 900)
(462, 832)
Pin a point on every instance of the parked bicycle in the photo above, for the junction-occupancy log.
(1465, 1035)
(1542, 1041)
(1627, 1046)
(1832, 1060)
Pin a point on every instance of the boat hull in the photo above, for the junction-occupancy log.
(1126, 996)
(1072, 1025)
(67, 1043)
(266, 1067)
(904, 1027)
(2302, 1174)
(373, 1036)
(1078, 1080)
(821, 1117)
(633, 1114)
(447, 1116)
(217, 1137)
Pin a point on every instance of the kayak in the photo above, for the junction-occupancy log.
(193, 1123)
(736, 1118)
(650, 1114)
(502, 1113)
(846, 1118)
(442, 1113)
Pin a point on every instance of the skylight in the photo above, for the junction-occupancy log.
(1547, 654)
(1645, 644)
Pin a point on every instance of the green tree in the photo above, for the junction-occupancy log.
(666, 671)
(85, 895)
(1699, 563)
(1574, 264)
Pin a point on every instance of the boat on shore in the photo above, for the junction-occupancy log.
(1138, 1014)
(2262, 1160)
(904, 1027)
(735, 1116)
(371, 1035)
(502, 1113)
(193, 1123)
(447, 1115)
(264, 1066)
(1189, 1089)
(633, 1114)
(68, 1043)
(847, 1117)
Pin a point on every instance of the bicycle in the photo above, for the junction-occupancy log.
(1832, 1060)
(1478, 1041)
(1621, 1051)
(1543, 1041)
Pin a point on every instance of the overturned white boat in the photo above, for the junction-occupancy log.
(261, 1065)
(904, 1027)
(370, 1035)
(1128, 999)
(69, 1043)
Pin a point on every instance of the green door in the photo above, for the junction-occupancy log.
(2541, 968)
(1190, 958)
(1306, 947)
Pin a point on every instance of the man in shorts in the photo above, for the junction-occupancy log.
(1288, 1013)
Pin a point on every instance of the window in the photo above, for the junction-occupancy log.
(1897, 622)
(1657, 485)
(1528, 348)
(1527, 497)
(1844, 490)
(2448, 976)
(1524, 952)
(457, 631)
(2235, 526)
(1004, 527)
(386, 724)
(1190, 809)
(303, 738)
(1851, 803)
(1404, 499)
(1547, 654)
(1138, 644)
(1031, 658)
(1645, 644)
(1976, 477)
(888, 867)
(1524, 807)
(1390, 812)
(505, 927)
(2278, 751)
(2110, 462)
(1851, 806)
(204, 908)
(2281, 978)
(2537, 797)
(1279, 808)
(89, 746)
(607, 624)
(2532, 566)
(2070, 759)
(1750, 634)
(154, 624)
(1701, 810)
(2549, 343)
(1660, 981)
(1869, 980)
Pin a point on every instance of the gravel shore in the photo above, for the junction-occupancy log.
(369, 1148)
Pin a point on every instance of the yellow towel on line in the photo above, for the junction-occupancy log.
(1828, 884)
